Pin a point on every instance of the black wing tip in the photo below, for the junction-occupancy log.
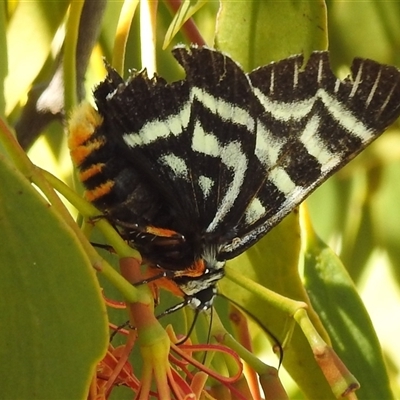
(111, 82)
(112, 74)
(190, 58)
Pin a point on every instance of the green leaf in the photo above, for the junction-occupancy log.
(53, 327)
(366, 29)
(342, 311)
(257, 32)
(384, 203)
(186, 10)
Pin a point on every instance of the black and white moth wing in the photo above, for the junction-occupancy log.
(193, 140)
(227, 155)
(143, 119)
(312, 125)
(223, 139)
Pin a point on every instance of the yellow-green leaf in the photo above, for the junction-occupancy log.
(53, 327)
(342, 311)
(257, 32)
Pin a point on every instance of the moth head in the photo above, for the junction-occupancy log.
(204, 299)
(200, 291)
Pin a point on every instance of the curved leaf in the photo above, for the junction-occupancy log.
(334, 296)
(186, 10)
(30, 33)
(52, 328)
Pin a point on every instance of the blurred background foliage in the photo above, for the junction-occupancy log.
(357, 211)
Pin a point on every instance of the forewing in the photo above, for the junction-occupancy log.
(192, 140)
(225, 173)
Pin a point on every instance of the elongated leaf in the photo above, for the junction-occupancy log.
(52, 327)
(29, 37)
(334, 296)
(3, 59)
(186, 11)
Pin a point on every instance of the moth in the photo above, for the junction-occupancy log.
(194, 172)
